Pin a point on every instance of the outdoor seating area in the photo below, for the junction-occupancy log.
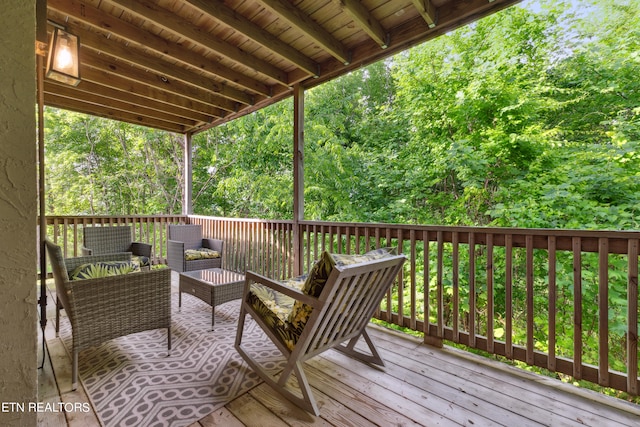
(420, 385)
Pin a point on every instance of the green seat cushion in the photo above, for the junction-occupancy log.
(103, 269)
(200, 253)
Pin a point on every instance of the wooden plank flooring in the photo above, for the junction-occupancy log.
(420, 386)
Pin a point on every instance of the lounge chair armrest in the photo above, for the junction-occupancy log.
(141, 249)
(213, 244)
(251, 277)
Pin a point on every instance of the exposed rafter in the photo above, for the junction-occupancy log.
(366, 21)
(228, 17)
(183, 28)
(428, 11)
(309, 27)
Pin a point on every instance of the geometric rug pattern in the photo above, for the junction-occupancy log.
(132, 381)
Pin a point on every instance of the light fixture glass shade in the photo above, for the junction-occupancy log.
(63, 62)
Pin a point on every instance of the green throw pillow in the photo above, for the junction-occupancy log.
(103, 269)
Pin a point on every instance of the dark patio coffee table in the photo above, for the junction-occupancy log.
(214, 286)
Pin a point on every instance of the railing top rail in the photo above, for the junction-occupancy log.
(112, 216)
(628, 234)
(246, 220)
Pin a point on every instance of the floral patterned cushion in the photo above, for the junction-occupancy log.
(103, 269)
(142, 261)
(274, 308)
(200, 253)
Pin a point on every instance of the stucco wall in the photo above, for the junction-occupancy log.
(18, 204)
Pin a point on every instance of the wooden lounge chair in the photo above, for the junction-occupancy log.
(187, 250)
(104, 308)
(307, 315)
(112, 240)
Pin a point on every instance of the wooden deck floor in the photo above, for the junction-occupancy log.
(421, 386)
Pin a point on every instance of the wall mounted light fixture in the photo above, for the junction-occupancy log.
(63, 62)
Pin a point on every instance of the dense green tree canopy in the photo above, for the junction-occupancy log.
(529, 117)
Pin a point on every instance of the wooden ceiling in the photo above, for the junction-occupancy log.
(188, 65)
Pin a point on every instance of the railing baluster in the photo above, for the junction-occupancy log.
(632, 316)
(508, 286)
(412, 279)
(530, 292)
(553, 297)
(603, 311)
(472, 290)
(456, 286)
(577, 307)
(490, 295)
(440, 284)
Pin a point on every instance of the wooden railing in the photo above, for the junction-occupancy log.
(564, 300)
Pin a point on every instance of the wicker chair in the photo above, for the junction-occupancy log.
(305, 316)
(104, 308)
(186, 239)
(112, 240)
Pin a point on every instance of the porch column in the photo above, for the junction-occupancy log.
(298, 176)
(187, 179)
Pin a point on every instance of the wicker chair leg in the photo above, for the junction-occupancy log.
(74, 370)
(168, 341)
(57, 317)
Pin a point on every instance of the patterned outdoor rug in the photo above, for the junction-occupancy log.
(131, 381)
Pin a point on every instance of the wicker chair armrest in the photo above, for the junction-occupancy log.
(214, 244)
(141, 249)
(175, 255)
(251, 277)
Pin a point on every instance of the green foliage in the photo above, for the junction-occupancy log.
(97, 166)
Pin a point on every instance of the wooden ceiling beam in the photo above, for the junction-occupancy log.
(152, 63)
(229, 18)
(58, 101)
(110, 25)
(173, 23)
(304, 23)
(366, 21)
(123, 84)
(95, 94)
(154, 80)
(427, 11)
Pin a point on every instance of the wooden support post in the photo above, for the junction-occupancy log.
(187, 170)
(298, 176)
